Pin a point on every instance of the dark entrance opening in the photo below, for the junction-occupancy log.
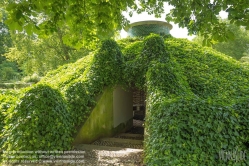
(139, 110)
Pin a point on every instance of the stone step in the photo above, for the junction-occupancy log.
(119, 142)
(89, 147)
(105, 155)
(130, 136)
(124, 141)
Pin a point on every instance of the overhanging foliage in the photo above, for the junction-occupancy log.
(89, 21)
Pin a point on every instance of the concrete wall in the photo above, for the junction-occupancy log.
(122, 106)
(112, 114)
(100, 122)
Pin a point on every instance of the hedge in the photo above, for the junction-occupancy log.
(40, 120)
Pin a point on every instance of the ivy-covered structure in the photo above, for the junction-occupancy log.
(197, 101)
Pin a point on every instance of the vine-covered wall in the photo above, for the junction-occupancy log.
(197, 101)
(197, 98)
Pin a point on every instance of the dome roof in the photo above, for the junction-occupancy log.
(144, 28)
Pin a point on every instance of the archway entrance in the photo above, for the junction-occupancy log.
(139, 111)
(130, 109)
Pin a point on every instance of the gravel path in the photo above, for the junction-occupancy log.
(105, 156)
(125, 149)
(99, 155)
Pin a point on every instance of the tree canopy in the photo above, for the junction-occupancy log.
(34, 55)
(89, 21)
(8, 70)
(22, 54)
(236, 48)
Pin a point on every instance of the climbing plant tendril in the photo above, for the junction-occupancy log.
(197, 99)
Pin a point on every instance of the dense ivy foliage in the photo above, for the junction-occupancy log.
(210, 74)
(61, 77)
(39, 121)
(103, 71)
(197, 100)
(46, 119)
(82, 81)
(193, 132)
(194, 116)
(8, 99)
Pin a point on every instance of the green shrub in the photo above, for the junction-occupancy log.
(2, 117)
(17, 85)
(39, 121)
(8, 99)
(33, 78)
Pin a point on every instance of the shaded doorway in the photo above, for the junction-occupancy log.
(139, 111)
